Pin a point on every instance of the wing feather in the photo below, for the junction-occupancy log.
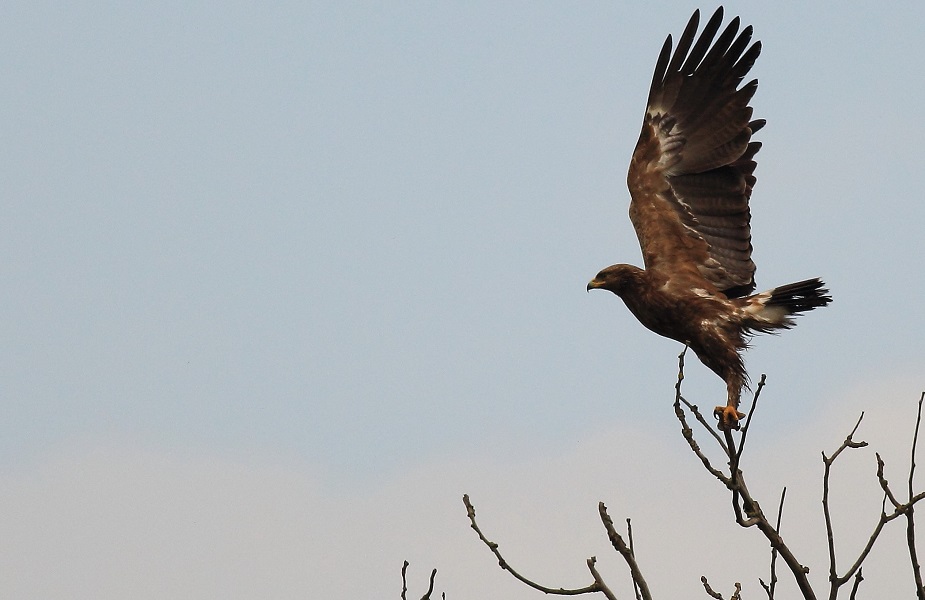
(692, 172)
(662, 91)
(703, 43)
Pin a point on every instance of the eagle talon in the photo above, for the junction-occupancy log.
(728, 417)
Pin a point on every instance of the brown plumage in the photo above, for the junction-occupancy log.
(690, 178)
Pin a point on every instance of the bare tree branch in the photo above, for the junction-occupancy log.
(748, 420)
(858, 578)
(742, 498)
(884, 484)
(629, 534)
(827, 461)
(735, 457)
(709, 590)
(430, 588)
(898, 509)
(736, 595)
(678, 398)
(620, 546)
(599, 580)
(404, 583)
(772, 582)
(596, 586)
(884, 519)
(747, 512)
(910, 519)
(688, 433)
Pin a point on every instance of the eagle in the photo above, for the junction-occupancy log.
(690, 179)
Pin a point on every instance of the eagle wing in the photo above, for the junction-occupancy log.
(691, 174)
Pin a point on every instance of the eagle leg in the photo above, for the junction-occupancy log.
(722, 356)
(728, 416)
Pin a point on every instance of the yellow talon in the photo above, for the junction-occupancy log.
(728, 417)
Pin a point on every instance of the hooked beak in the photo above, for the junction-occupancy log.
(593, 284)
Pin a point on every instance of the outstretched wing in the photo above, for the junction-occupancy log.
(691, 174)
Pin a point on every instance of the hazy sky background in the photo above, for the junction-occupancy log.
(281, 282)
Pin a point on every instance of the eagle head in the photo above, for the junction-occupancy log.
(616, 278)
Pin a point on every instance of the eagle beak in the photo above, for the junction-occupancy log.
(593, 284)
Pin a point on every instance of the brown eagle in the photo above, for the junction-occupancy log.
(690, 179)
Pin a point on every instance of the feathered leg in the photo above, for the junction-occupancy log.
(728, 416)
(723, 358)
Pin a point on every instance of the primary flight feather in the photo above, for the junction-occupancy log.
(690, 179)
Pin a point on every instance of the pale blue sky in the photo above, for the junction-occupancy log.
(349, 242)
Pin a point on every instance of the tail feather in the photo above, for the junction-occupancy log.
(773, 309)
(800, 297)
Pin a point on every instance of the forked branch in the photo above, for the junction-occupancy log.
(626, 552)
(747, 511)
(597, 585)
(898, 509)
(404, 583)
(714, 594)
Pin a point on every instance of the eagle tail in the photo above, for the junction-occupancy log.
(773, 309)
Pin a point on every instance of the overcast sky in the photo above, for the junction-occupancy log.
(282, 282)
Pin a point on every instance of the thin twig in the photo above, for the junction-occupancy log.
(598, 579)
(837, 581)
(780, 514)
(689, 436)
(884, 484)
(772, 585)
(736, 483)
(706, 424)
(858, 578)
(910, 519)
(404, 581)
(748, 419)
(915, 441)
(629, 534)
(678, 398)
(688, 433)
(736, 595)
(878, 528)
(620, 546)
(709, 590)
(594, 587)
(430, 588)
(827, 461)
